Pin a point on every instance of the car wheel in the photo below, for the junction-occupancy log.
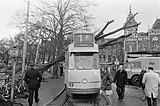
(135, 80)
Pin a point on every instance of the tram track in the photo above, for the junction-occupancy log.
(64, 100)
(81, 101)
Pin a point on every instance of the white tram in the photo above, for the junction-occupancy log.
(82, 71)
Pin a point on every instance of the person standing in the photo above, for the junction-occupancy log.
(144, 70)
(151, 82)
(55, 71)
(106, 87)
(120, 80)
(61, 69)
(33, 79)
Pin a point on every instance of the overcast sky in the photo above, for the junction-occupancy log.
(106, 10)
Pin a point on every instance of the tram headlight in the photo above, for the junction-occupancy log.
(84, 81)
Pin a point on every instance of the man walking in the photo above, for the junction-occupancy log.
(120, 80)
(61, 69)
(33, 78)
(55, 71)
(106, 87)
(151, 82)
(144, 70)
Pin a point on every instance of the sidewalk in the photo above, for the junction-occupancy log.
(47, 91)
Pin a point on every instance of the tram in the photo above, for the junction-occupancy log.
(82, 71)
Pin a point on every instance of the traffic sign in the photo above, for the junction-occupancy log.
(14, 51)
(116, 62)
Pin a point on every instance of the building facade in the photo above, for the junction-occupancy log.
(142, 41)
(154, 35)
(131, 43)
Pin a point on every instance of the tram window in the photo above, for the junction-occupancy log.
(83, 60)
(66, 60)
(96, 61)
(71, 61)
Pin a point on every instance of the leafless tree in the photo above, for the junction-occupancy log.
(52, 24)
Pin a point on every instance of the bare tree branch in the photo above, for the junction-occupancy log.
(111, 41)
(130, 19)
(101, 32)
(35, 25)
(110, 33)
(117, 30)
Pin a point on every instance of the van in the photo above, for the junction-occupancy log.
(134, 67)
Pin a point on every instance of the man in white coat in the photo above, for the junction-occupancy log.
(151, 82)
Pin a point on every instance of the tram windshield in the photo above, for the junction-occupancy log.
(85, 60)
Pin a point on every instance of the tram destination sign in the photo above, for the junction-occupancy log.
(83, 38)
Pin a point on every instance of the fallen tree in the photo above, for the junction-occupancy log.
(99, 36)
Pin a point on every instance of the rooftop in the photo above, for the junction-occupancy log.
(156, 25)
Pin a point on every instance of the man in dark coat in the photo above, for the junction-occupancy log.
(61, 69)
(33, 78)
(140, 81)
(120, 80)
(55, 71)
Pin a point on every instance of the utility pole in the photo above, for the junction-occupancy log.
(25, 40)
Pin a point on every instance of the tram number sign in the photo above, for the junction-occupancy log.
(83, 38)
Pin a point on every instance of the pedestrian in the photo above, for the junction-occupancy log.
(120, 80)
(102, 70)
(106, 87)
(55, 71)
(151, 82)
(61, 69)
(33, 79)
(144, 70)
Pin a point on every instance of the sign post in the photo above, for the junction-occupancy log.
(14, 52)
(116, 63)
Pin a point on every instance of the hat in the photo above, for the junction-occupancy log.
(150, 68)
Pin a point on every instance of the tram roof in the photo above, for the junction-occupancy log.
(72, 48)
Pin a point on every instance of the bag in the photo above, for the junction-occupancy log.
(106, 92)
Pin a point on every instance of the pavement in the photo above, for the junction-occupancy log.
(133, 97)
(47, 92)
(51, 88)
